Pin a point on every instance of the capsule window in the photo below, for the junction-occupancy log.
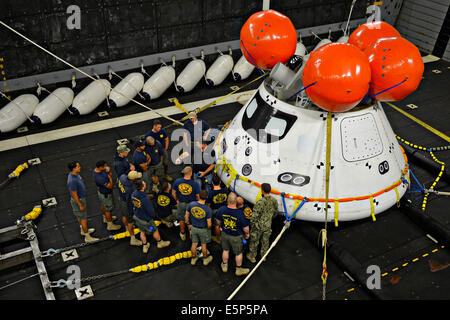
(265, 123)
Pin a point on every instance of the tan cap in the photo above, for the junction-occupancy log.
(134, 175)
(123, 148)
(192, 114)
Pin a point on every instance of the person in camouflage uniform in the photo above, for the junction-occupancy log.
(261, 221)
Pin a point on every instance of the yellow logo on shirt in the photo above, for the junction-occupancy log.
(248, 213)
(122, 189)
(229, 222)
(163, 200)
(220, 198)
(136, 202)
(161, 135)
(185, 189)
(198, 212)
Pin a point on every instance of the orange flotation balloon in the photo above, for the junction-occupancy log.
(342, 75)
(268, 37)
(392, 61)
(370, 32)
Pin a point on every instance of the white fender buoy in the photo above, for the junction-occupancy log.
(90, 97)
(129, 87)
(53, 106)
(343, 39)
(219, 70)
(191, 75)
(15, 113)
(242, 69)
(159, 82)
(300, 49)
(322, 43)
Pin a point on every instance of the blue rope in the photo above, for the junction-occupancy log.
(367, 97)
(315, 82)
(234, 187)
(420, 186)
(257, 67)
(289, 218)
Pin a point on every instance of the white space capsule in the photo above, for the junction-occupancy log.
(191, 75)
(242, 69)
(219, 70)
(15, 113)
(129, 87)
(159, 82)
(90, 97)
(53, 106)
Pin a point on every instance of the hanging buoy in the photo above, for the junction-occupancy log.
(90, 97)
(191, 75)
(15, 113)
(219, 70)
(242, 69)
(159, 82)
(53, 106)
(129, 87)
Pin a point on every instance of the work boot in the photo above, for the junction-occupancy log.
(250, 258)
(194, 260)
(113, 218)
(88, 238)
(224, 267)
(135, 242)
(207, 260)
(215, 239)
(183, 236)
(112, 227)
(90, 230)
(162, 244)
(241, 271)
(145, 247)
(167, 177)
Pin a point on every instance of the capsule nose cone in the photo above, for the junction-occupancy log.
(36, 120)
(236, 76)
(74, 111)
(146, 96)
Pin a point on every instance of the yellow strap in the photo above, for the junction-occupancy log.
(259, 195)
(372, 209)
(179, 105)
(336, 213)
(398, 197)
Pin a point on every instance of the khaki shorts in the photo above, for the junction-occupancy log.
(231, 242)
(156, 170)
(76, 209)
(144, 226)
(124, 210)
(202, 235)
(181, 211)
(107, 201)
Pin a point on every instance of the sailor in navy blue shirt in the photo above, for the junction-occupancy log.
(165, 204)
(144, 214)
(77, 191)
(217, 197)
(121, 164)
(233, 224)
(246, 209)
(103, 179)
(196, 129)
(185, 190)
(126, 188)
(159, 134)
(198, 217)
(141, 161)
(155, 150)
